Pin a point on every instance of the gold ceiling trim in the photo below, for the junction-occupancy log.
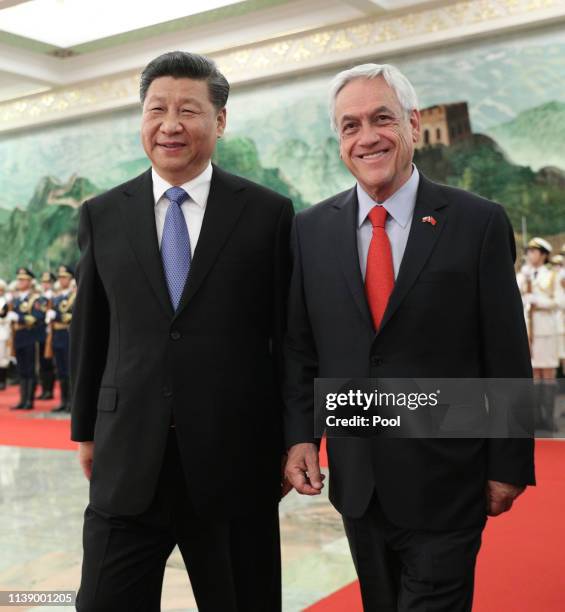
(289, 54)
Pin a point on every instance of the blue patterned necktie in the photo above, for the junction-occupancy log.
(175, 245)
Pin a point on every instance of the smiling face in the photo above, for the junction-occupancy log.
(376, 138)
(180, 127)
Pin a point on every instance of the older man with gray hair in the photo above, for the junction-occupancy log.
(400, 277)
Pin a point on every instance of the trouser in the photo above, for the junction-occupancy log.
(25, 361)
(406, 570)
(61, 361)
(13, 376)
(61, 355)
(233, 564)
(46, 373)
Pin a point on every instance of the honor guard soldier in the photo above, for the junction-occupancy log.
(541, 294)
(559, 267)
(59, 317)
(46, 365)
(4, 335)
(27, 314)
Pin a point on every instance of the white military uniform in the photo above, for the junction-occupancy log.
(560, 313)
(542, 295)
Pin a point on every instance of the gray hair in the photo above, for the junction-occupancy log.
(395, 79)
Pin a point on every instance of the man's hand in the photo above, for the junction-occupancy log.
(303, 469)
(85, 453)
(286, 487)
(501, 496)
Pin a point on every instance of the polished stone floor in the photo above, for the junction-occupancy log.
(42, 499)
(43, 495)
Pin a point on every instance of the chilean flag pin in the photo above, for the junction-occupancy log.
(429, 219)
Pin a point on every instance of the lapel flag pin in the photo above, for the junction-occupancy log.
(429, 220)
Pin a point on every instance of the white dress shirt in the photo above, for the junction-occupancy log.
(400, 209)
(193, 208)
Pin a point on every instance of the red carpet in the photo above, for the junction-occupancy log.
(26, 428)
(521, 566)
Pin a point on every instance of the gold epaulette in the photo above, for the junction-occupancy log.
(60, 326)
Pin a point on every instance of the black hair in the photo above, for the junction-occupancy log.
(181, 64)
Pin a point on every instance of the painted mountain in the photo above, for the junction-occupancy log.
(278, 134)
(479, 165)
(43, 234)
(536, 137)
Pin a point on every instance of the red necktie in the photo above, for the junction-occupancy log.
(379, 276)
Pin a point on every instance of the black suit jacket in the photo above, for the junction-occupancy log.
(214, 365)
(455, 312)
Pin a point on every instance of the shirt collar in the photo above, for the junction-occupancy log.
(399, 206)
(197, 188)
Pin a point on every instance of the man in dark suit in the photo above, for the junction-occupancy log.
(401, 277)
(175, 359)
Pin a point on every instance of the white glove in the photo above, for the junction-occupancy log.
(13, 317)
(50, 315)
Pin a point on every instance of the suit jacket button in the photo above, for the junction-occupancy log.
(167, 392)
(376, 360)
(175, 335)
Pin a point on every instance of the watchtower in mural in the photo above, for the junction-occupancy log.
(444, 124)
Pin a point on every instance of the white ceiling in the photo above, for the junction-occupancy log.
(14, 86)
(31, 59)
(74, 22)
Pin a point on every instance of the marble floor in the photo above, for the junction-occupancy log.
(42, 498)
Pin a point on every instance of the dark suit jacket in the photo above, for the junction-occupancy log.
(455, 312)
(213, 366)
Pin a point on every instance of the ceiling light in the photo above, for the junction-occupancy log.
(66, 23)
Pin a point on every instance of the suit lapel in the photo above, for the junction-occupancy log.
(226, 201)
(345, 240)
(138, 211)
(422, 238)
